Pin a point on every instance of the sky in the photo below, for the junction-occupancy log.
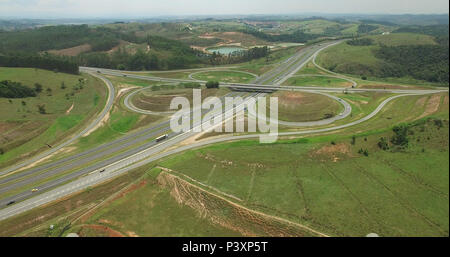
(152, 8)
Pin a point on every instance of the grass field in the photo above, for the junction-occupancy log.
(152, 212)
(396, 39)
(296, 106)
(320, 81)
(224, 76)
(166, 74)
(25, 131)
(159, 101)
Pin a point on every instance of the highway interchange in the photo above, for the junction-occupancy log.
(109, 160)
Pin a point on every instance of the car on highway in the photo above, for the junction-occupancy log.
(11, 203)
(34, 190)
(161, 138)
(102, 171)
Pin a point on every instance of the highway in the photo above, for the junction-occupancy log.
(138, 148)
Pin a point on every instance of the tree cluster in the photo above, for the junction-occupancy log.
(360, 42)
(57, 37)
(212, 84)
(239, 56)
(295, 37)
(366, 28)
(423, 62)
(41, 61)
(11, 89)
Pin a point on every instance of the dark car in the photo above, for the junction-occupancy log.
(11, 203)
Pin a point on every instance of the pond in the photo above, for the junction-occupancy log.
(225, 49)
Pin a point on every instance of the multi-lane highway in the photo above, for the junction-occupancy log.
(134, 150)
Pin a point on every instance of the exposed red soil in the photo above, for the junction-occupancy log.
(132, 188)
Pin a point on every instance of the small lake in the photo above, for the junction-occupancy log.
(226, 49)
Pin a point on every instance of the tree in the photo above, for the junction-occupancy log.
(383, 144)
(400, 137)
(11, 89)
(37, 87)
(364, 152)
(49, 91)
(63, 85)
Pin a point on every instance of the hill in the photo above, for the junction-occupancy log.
(408, 57)
(57, 105)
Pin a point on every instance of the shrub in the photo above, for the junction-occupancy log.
(41, 109)
(400, 137)
(212, 84)
(383, 144)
